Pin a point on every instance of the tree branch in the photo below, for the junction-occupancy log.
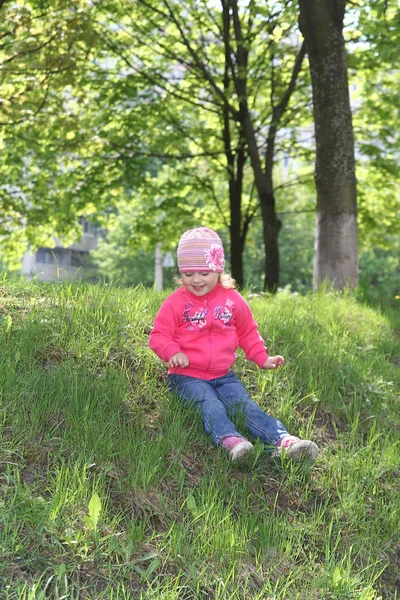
(30, 51)
(279, 110)
(162, 83)
(281, 107)
(198, 62)
(36, 112)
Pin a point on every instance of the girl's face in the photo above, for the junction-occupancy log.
(200, 282)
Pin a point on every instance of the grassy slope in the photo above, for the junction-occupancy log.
(84, 411)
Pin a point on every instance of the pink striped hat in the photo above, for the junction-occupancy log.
(200, 249)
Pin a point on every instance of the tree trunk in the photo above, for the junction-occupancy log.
(336, 238)
(235, 155)
(236, 254)
(237, 234)
(271, 223)
(271, 228)
(262, 183)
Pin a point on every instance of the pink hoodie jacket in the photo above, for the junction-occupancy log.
(208, 329)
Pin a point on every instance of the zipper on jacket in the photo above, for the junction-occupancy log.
(209, 341)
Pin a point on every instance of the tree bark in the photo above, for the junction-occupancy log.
(336, 237)
(264, 186)
(236, 163)
(237, 247)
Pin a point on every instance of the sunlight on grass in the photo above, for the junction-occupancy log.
(109, 489)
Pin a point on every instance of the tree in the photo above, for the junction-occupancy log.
(43, 46)
(225, 78)
(262, 165)
(95, 96)
(141, 85)
(336, 237)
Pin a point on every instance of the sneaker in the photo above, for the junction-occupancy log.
(237, 447)
(296, 449)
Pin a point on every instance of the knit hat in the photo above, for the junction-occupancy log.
(200, 249)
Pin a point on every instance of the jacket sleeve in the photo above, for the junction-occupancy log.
(249, 337)
(162, 337)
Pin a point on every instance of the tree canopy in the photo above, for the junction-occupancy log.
(181, 112)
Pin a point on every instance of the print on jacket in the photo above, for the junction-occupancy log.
(225, 314)
(199, 318)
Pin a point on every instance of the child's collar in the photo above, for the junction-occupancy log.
(207, 297)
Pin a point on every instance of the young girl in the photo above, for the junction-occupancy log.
(197, 331)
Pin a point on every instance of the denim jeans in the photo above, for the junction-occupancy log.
(219, 400)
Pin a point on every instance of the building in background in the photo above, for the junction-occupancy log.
(59, 262)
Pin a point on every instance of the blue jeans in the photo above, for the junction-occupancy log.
(217, 400)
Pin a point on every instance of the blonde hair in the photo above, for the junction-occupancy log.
(224, 279)
(227, 281)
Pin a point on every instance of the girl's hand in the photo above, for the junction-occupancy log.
(273, 362)
(179, 360)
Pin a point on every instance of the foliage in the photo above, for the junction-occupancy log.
(44, 46)
(373, 38)
(224, 77)
(143, 85)
(120, 258)
(104, 106)
(61, 156)
(380, 274)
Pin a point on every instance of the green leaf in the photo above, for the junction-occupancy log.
(191, 504)
(89, 523)
(152, 567)
(8, 323)
(337, 576)
(95, 509)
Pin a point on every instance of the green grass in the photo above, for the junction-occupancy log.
(110, 490)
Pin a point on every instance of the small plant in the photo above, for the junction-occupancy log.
(145, 573)
(91, 520)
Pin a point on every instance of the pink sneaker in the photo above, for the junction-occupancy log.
(296, 449)
(236, 446)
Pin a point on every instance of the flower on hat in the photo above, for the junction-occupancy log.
(215, 257)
